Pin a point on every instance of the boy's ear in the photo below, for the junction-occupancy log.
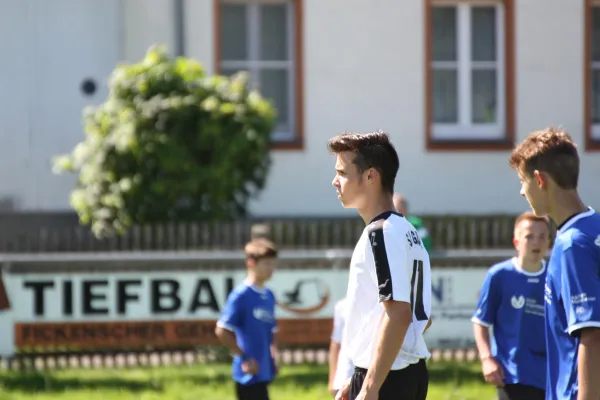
(250, 262)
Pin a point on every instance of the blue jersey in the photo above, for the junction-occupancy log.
(572, 299)
(512, 302)
(250, 314)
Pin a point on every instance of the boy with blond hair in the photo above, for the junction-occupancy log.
(512, 302)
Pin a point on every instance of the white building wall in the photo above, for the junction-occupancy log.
(363, 70)
(146, 22)
(375, 79)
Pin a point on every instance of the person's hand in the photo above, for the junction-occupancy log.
(331, 389)
(492, 371)
(250, 366)
(344, 392)
(367, 395)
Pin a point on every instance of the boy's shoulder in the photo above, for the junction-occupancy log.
(241, 290)
(270, 293)
(245, 290)
(503, 267)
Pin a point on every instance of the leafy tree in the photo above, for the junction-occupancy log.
(169, 144)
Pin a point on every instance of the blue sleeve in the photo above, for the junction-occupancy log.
(275, 328)
(489, 300)
(231, 317)
(580, 286)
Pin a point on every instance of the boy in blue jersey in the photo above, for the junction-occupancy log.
(247, 324)
(548, 166)
(512, 302)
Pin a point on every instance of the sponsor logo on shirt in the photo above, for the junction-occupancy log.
(582, 298)
(263, 315)
(597, 242)
(517, 302)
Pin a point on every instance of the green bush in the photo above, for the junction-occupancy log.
(169, 144)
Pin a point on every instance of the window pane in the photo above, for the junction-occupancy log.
(595, 33)
(233, 32)
(445, 96)
(444, 33)
(483, 33)
(274, 32)
(483, 102)
(228, 71)
(596, 96)
(274, 86)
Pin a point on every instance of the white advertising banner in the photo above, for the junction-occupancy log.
(162, 309)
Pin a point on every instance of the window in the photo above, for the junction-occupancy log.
(469, 87)
(592, 74)
(262, 37)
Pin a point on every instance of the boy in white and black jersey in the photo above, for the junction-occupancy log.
(389, 288)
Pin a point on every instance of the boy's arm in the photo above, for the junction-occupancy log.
(395, 321)
(391, 270)
(589, 364)
(580, 291)
(335, 342)
(482, 340)
(228, 322)
(491, 369)
(274, 349)
(229, 340)
(428, 325)
(275, 330)
(483, 319)
(334, 353)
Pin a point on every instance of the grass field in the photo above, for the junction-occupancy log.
(212, 382)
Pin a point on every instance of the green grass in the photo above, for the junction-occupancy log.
(212, 382)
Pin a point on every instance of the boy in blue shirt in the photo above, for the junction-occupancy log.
(247, 324)
(512, 302)
(548, 166)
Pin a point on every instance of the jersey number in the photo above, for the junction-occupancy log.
(417, 299)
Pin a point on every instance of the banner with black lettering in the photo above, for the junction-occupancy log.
(130, 310)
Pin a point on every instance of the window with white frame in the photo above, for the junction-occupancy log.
(595, 73)
(467, 71)
(258, 36)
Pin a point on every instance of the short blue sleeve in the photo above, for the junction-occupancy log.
(488, 302)
(580, 286)
(274, 304)
(231, 317)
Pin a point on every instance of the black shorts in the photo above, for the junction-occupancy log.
(255, 391)
(409, 383)
(520, 392)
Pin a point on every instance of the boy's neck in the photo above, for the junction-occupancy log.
(529, 266)
(567, 203)
(251, 280)
(377, 206)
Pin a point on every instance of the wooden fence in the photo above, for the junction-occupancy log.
(62, 232)
(203, 356)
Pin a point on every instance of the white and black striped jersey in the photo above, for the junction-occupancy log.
(389, 263)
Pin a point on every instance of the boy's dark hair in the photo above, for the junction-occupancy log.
(261, 248)
(373, 150)
(551, 151)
